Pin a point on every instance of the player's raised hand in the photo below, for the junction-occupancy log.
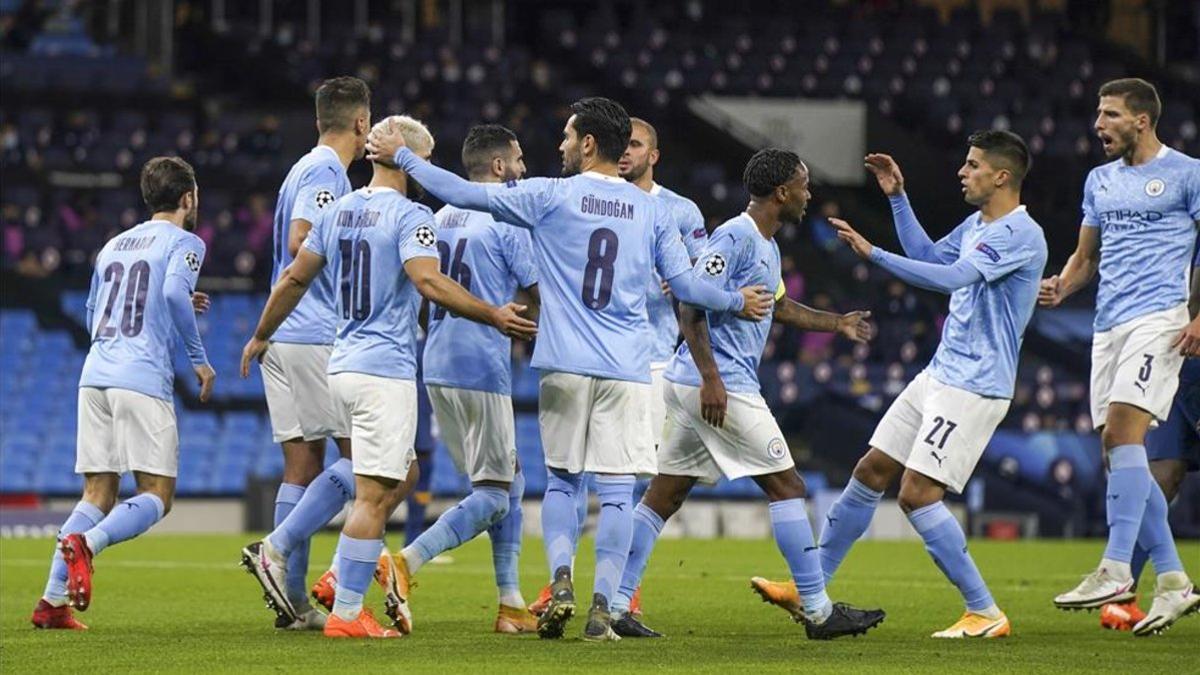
(383, 142)
(857, 243)
(1050, 292)
(201, 302)
(759, 303)
(886, 172)
(253, 351)
(855, 326)
(205, 376)
(713, 401)
(508, 320)
(1188, 340)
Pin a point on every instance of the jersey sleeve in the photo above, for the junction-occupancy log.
(1089, 205)
(1001, 251)
(418, 236)
(946, 249)
(1192, 192)
(185, 260)
(317, 239)
(521, 202)
(317, 191)
(670, 256)
(718, 262)
(690, 222)
(518, 254)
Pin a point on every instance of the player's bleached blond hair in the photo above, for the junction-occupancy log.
(416, 134)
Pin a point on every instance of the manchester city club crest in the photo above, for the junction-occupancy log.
(776, 449)
(1155, 187)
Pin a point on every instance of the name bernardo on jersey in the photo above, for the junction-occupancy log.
(610, 208)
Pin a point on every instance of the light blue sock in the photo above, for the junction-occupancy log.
(505, 535)
(794, 537)
(581, 504)
(126, 521)
(317, 505)
(614, 530)
(483, 507)
(357, 567)
(83, 517)
(945, 541)
(1129, 482)
(1155, 534)
(845, 522)
(560, 519)
(647, 525)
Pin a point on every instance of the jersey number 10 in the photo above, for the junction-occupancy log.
(355, 278)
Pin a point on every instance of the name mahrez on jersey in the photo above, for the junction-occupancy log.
(357, 219)
(606, 207)
(454, 220)
(133, 244)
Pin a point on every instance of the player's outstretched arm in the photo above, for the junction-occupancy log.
(293, 283)
(441, 289)
(913, 238)
(931, 276)
(1078, 271)
(713, 398)
(751, 302)
(178, 297)
(853, 325)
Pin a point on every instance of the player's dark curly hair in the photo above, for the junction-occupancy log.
(1005, 150)
(483, 144)
(165, 180)
(768, 169)
(606, 121)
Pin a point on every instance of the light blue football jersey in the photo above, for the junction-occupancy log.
(689, 223)
(982, 335)
(365, 238)
(131, 328)
(597, 241)
(315, 182)
(737, 255)
(491, 260)
(1147, 218)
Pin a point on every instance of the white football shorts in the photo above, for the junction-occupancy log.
(595, 424)
(658, 404)
(122, 430)
(478, 429)
(381, 413)
(297, 388)
(1134, 363)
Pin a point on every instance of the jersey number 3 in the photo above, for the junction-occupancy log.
(598, 274)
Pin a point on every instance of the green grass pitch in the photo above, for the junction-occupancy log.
(181, 603)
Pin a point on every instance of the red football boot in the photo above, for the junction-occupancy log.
(543, 601)
(46, 615)
(78, 556)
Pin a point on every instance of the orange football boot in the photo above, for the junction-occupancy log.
(1121, 616)
(391, 572)
(635, 603)
(46, 615)
(324, 590)
(513, 620)
(539, 606)
(363, 626)
(782, 594)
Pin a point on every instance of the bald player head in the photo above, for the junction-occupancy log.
(637, 164)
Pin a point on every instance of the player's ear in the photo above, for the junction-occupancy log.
(654, 157)
(498, 166)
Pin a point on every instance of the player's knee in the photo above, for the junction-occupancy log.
(876, 470)
(1169, 475)
(915, 495)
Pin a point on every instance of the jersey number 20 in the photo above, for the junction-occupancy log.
(134, 311)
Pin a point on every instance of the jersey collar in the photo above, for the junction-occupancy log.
(368, 191)
(328, 149)
(600, 176)
(1021, 208)
(655, 188)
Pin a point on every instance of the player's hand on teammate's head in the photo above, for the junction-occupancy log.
(383, 142)
(713, 401)
(1050, 292)
(886, 172)
(508, 320)
(205, 376)
(1188, 340)
(201, 302)
(857, 243)
(855, 325)
(253, 351)
(759, 303)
